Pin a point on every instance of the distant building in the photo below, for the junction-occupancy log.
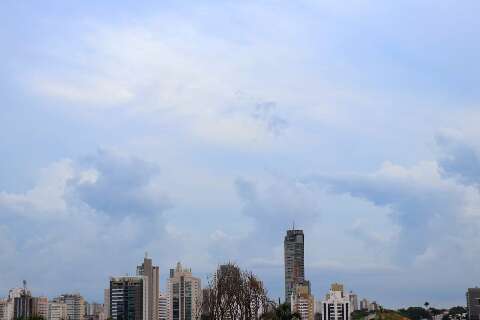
(336, 305)
(353, 301)
(75, 305)
(185, 294)
(302, 301)
(57, 311)
(163, 306)
(40, 307)
(94, 311)
(151, 273)
(106, 302)
(364, 304)
(3, 309)
(473, 303)
(129, 298)
(373, 306)
(294, 260)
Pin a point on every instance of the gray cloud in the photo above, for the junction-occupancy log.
(459, 160)
(91, 218)
(420, 202)
(123, 186)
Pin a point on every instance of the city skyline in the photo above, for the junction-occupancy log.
(197, 131)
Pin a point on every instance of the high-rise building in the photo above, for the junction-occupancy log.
(151, 273)
(106, 302)
(22, 305)
(10, 301)
(302, 301)
(353, 301)
(336, 305)
(294, 260)
(185, 294)
(129, 298)
(57, 311)
(364, 304)
(40, 307)
(473, 303)
(163, 306)
(75, 305)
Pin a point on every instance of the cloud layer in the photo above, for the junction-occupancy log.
(199, 131)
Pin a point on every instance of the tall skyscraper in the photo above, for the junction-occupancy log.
(302, 301)
(185, 294)
(75, 305)
(473, 303)
(294, 260)
(151, 273)
(129, 298)
(336, 305)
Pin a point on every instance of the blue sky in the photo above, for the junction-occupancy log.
(198, 131)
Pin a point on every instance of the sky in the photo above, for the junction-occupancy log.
(200, 131)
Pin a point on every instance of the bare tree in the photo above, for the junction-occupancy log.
(233, 294)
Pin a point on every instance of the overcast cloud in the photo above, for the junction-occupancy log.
(200, 131)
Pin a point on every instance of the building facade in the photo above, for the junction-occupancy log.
(473, 303)
(3, 309)
(163, 306)
(151, 274)
(75, 305)
(294, 260)
(353, 301)
(302, 301)
(129, 298)
(185, 294)
(40, 307)
(336, 305)
(57, 311)
(106, 302)
(22, 305)
(364, 304)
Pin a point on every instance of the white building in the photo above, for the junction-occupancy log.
(353, 301)
(57, 311)
(106, 302)
(75, 305)
(163, 306)
(185, 294)
(336, 305)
